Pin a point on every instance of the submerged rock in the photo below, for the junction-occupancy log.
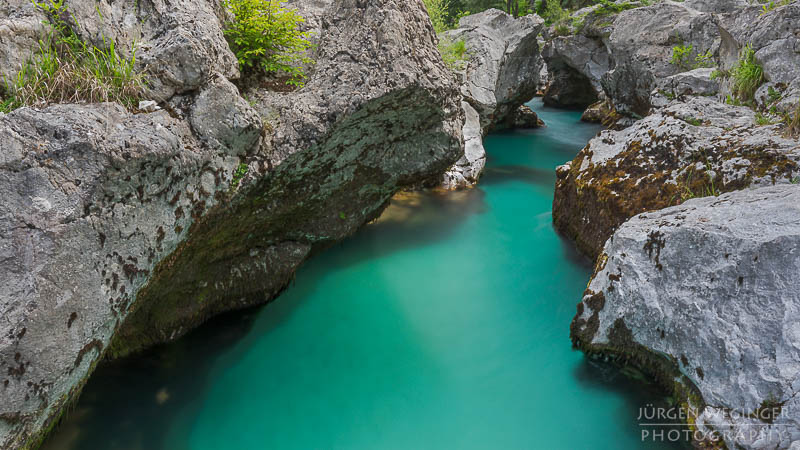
(706, 294)
(688, 149)
(125, 230)
(524, 117)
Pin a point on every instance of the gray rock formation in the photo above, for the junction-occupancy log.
(20, 28)
(501, 74)
(504, 62)
(692, 83)
(468, 168)
(707, 293)
(577, 62)
(775, 38)
(641, 48)
(687, 149)
(122, 230)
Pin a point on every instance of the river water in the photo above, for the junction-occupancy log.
(444, 325)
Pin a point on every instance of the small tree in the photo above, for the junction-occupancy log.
(265, 35)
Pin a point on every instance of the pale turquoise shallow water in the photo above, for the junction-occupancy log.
(445, 325)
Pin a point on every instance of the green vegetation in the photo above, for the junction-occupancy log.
(439, 14)
(445, 14)
(238, 174)
(685, 58)
(763, 119)
(747, 75)
(772, 4)
(692, 185)
(67, 70)
(265, 37)
(693, 121)
(454, 53)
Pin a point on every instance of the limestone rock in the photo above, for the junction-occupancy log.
(179, 44)
(93, 198)
(687, 149)
(20, 29)
(707, 294)
(502, 73)
(524, 117)
(467, 170)
(641, 48)
(694, 82)
(123, 230)
(577, 63)
(597, 112)
(504, 62)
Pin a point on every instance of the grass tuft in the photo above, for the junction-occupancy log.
(67, 70)
(747, 75)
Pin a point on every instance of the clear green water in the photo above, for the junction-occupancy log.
(444, 325)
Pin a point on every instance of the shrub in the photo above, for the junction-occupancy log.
(65, 69)
(265, 37)
(747, 75)
(554, 14)
(454, 53)
(438, 12)
(682, 56)
(772, 4)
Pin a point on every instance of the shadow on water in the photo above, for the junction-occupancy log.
(640, 396)
(127, 401)
(175, 375)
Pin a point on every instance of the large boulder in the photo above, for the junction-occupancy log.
(641, 48)
(695, 148)
(178, 44)
(504, 62)
(501, 73)
(123, 230)
(576, 62)
(705, 296)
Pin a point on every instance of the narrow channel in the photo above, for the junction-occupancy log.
(445, 324)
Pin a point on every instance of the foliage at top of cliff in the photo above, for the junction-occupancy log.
(266, 38)
(65, 69)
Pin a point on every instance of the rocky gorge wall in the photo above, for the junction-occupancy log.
(688, 204)
(123, 229)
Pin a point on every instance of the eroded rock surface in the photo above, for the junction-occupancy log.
(688, 149)
(709, 288)
(125, 230)
(501, 73)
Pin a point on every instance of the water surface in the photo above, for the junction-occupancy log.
(444, 325)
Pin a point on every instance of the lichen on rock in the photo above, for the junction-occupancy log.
(707, 294)
(688, 149)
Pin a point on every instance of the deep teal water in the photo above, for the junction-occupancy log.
(444, 325)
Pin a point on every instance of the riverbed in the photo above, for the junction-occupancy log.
(444, 324)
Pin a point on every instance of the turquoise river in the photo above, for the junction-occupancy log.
(444, 325)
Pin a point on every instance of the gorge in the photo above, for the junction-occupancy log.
(153, 183)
